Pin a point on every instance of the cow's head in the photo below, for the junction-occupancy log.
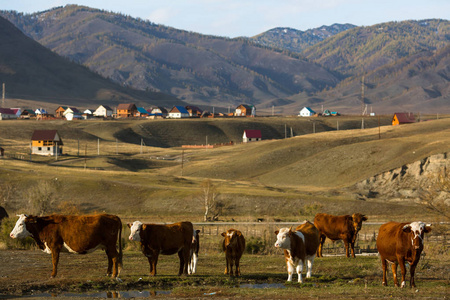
(357, 220)
(416, 231)
(231, 238)
(21, 230)
(136, 229)
(283, 238)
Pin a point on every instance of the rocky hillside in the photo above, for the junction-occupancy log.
(197, 68)
(296, 40)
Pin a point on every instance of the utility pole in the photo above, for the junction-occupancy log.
(362, 96)
(182, 159)
(3, 95)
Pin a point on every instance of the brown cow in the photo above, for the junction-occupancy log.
(299, 245)
(76, 234)
(335, 228)
(168, 239)
(233, 245)
(398, 243)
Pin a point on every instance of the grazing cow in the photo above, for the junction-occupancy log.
(233, 245)
(193, 257)
(335, 228)
(299, 245)
(75, 234)
(398, 243)
(168, 239)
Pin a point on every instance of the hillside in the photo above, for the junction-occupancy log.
(197, 68)
(418, 83)
(296, 40)
(367, 48)
(31, 71)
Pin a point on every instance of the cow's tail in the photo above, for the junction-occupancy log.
(120, 265)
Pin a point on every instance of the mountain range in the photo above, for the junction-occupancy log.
(404, 64)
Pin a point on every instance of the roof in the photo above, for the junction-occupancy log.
(7, 111)
(253, 133)
(46, 135)
(309, 109)
(142, 110)
(181, 109)
(405, 117)
(246, 106)
(126, 106)
(29, 111)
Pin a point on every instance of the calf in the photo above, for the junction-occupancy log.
(299, 245)
(169, 239)
(76, 234)
(233, 245)
(335, 228)
(193, 257)
(398, 243)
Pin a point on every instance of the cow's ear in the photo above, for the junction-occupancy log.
(427, 228)
(276, 232)
(364, 218)
(198, 231)
(144, 226)
(129, 225)
(407, 228)
(223, 234)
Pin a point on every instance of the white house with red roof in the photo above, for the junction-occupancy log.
(251, 135)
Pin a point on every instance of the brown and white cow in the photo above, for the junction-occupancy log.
(299, 246)
(75, 234)
(233, 245)
(398, 243)
(168, 239)
(193, 257)
(335, 228)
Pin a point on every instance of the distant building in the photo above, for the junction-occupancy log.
(72, 113)
(27, 114)
(306, 112)
(245, 110)
(251, 135)
(194, 111)
(158, 112)
(103, 111)
(403, 118)
(59, 112)
(126, 110)
(142, 112)
(46, 142)
(7, 114)
(178, 112)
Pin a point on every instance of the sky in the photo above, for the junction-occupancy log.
(233, 18)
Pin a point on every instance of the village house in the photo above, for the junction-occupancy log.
(27, 114)
(245, 110)
(72, 113)
(142, 112)
(178, 112)
(251, 135)
(103, 111)
(194, 111)
(7, 114)
(158, 112)
(126, 110)
(403, 118)
(46, 142)
(59, 112)
(306, 112)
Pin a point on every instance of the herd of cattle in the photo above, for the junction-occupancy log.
(397, 243)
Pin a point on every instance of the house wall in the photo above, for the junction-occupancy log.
(45, 148)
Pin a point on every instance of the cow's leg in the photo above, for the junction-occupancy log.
(322, 241)
(227, 270)
(347, 254)
(384, 265)
(153, 260)
(401, 262)
(184, 260)
(194, 263)
(394, 273)
(113, 261)
(238, 270)
(290, 269)
(352, 246)
(412, 270)
(230, 267)
(309, 261)
(300, 270)
(55, 260)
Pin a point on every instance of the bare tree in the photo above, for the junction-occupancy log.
(209, 197)
(436, 196)
(7, 191)
(42, 196)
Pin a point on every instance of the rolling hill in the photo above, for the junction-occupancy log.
(31, 71)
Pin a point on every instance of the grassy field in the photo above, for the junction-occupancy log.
(106, 169)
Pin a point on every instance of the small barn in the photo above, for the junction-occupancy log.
(306, 112)
(403, 118)
(7, 114)
(46, 142)
(251, 135)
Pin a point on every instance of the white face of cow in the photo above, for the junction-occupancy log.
(283, 239)
(417, 230)
(135, 231)
(20, 230)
